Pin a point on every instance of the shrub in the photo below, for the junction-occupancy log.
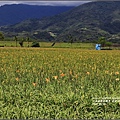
(1, 45)
(21, 43)
(35, 44)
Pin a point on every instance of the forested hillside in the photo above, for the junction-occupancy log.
(86, 22)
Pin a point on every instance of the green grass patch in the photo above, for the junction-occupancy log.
(48, 45)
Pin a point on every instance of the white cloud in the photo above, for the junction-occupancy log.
(9, 2)
(52, 3)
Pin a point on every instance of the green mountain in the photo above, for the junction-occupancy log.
(86, 22)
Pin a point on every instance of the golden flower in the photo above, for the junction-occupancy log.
(70, 72)
(55, 77)
(34, 84)
(60, 71)
(117, 73)
(87, 73)
(117, 79)
(17, 79)
(106, 72)
(62, 74)
(76, 76)
(47, 80)
(17, 71)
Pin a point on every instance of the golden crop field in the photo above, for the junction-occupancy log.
(59, 83)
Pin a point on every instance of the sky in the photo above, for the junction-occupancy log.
(52, 3)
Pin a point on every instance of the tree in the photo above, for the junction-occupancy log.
(21, 42)
(35, 44)
(16, 40)
(1, 36)
(102, 41)
(70, 38)
(109, 44)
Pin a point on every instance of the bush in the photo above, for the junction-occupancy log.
(35, 44)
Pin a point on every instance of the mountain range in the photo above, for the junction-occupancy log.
(15, 13)
(87, 22)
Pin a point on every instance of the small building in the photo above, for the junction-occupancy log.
(98, 47)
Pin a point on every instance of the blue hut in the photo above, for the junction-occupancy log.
(98, 47)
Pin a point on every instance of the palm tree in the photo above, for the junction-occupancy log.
(16, 40)
(28, 40)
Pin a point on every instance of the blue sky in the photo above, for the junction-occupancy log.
(52, 3)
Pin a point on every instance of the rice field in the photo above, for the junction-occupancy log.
(59, 83)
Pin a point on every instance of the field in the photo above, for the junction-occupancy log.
(59, 83)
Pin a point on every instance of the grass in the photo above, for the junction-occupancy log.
(58, 83)
(48, 45)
